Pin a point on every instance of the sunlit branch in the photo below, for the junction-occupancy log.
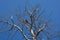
(15, 27)
(41, 29)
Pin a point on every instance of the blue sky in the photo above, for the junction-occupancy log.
(8, 8)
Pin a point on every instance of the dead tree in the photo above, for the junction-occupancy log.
(32, 23)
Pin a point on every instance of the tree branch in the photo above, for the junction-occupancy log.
(15, 27)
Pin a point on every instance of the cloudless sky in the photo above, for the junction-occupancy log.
(9, 7)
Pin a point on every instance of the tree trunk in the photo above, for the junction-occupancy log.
(34, 38)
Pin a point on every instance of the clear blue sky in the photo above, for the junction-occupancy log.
(8, 8)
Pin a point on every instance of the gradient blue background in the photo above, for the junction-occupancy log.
(8, 8)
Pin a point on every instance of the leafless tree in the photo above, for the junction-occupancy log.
(31, 23)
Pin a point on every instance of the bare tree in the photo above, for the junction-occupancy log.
(32, 23)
